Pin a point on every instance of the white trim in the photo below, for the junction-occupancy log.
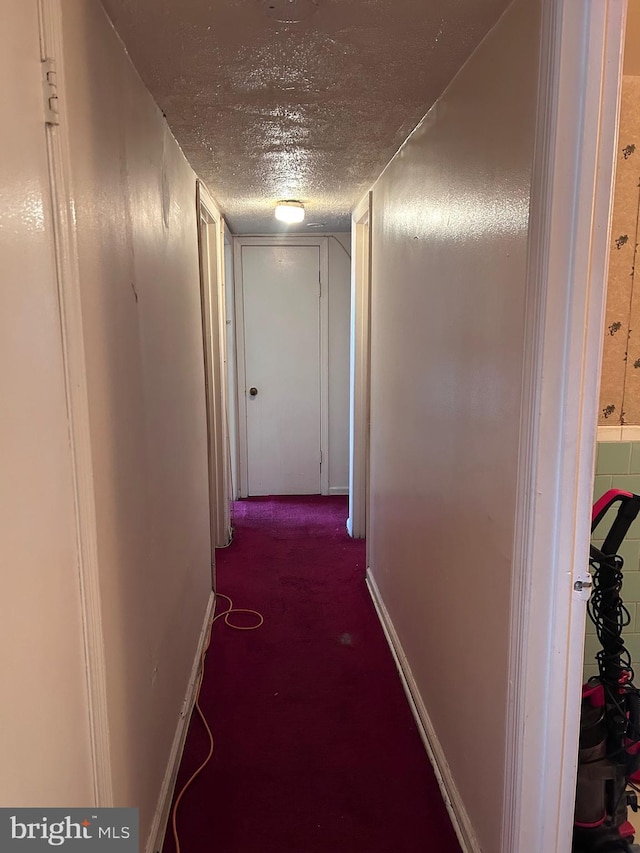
(224, 378)
(339, 490)
(211, 237)
(208, 202)
(232, 378)
(360, 366)
(77, 400)
(241, 381)
(450, 794)
(568, 252)
(283, 240)
(155, 841)
(223, 394)
(324, 365)
(619, 433)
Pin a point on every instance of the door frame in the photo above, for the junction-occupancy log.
(360, 369)
(212, 302)
(77, 402)
(322, 243)
(572, 186)
(231, 373)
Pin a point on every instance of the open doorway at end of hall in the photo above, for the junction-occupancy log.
(292, 314)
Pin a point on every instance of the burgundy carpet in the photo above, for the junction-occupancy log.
(316, 750)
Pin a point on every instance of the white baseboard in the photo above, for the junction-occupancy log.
(349, 526)
(338, 490)
(161, 817)
(450, 794)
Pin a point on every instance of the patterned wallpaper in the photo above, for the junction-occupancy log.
(620, 388)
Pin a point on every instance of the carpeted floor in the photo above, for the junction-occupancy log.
(316, 750)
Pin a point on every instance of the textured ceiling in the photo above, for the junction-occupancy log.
(310, 111)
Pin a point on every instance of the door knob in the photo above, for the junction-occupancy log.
(253, 392)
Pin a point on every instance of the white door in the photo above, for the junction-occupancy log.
(281, 301)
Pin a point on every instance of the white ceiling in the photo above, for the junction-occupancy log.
(312, 110)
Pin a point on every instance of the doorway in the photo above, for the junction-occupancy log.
(212, 296)
(360, 370)
(282, 349)
(617, 461)
(232, 371)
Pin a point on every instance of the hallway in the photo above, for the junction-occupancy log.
(315, 746)
(459, 220)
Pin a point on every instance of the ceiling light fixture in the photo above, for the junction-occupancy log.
(290, 211)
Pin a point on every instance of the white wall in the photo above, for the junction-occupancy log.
(450, 228)
(137, 241)
(44, 734)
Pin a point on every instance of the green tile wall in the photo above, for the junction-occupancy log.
(618, 467)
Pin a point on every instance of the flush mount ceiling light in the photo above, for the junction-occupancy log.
(290, 211)
(290, 11)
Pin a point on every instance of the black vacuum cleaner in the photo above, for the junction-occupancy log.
(609, 754)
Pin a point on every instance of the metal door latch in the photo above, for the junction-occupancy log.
(584, 585)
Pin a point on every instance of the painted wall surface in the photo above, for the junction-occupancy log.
(620, 385)
(135, 208)
(44, 735)
(450, 229)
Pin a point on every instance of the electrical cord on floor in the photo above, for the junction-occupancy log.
(225, 614)
(230, 533)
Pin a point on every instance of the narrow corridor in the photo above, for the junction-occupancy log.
(316, 749)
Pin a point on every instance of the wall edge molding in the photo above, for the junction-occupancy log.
(77, 403)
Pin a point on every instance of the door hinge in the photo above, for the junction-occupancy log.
(583, 586)
(321, 457)
(50, 91)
